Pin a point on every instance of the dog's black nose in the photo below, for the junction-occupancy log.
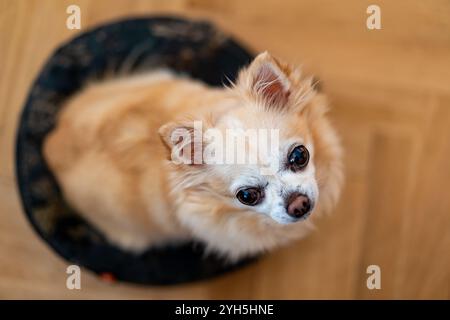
(298, 205)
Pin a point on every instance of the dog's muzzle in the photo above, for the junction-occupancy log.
(298, 205)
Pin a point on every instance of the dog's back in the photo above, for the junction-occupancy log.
(106, 148)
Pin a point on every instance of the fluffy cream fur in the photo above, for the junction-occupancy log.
(110, 152)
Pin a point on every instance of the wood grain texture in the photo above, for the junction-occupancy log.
(390, 91)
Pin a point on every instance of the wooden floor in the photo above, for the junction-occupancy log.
(390, 91)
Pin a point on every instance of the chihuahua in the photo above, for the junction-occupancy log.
(141, 159)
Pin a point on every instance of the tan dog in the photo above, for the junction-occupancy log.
(108, 156)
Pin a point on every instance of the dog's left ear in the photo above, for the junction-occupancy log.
(184, 140)
(267, 80)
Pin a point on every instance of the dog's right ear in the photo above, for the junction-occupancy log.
(184, 141)
(267, 80)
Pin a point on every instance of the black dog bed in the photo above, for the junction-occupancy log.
(124, 47)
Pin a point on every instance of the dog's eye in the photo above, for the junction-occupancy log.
(250, 196)
(298, 158)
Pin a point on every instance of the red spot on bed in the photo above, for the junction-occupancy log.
(108, 277)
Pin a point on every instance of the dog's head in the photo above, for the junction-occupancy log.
(269, 153)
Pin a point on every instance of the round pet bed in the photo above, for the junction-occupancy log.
(190, 47)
